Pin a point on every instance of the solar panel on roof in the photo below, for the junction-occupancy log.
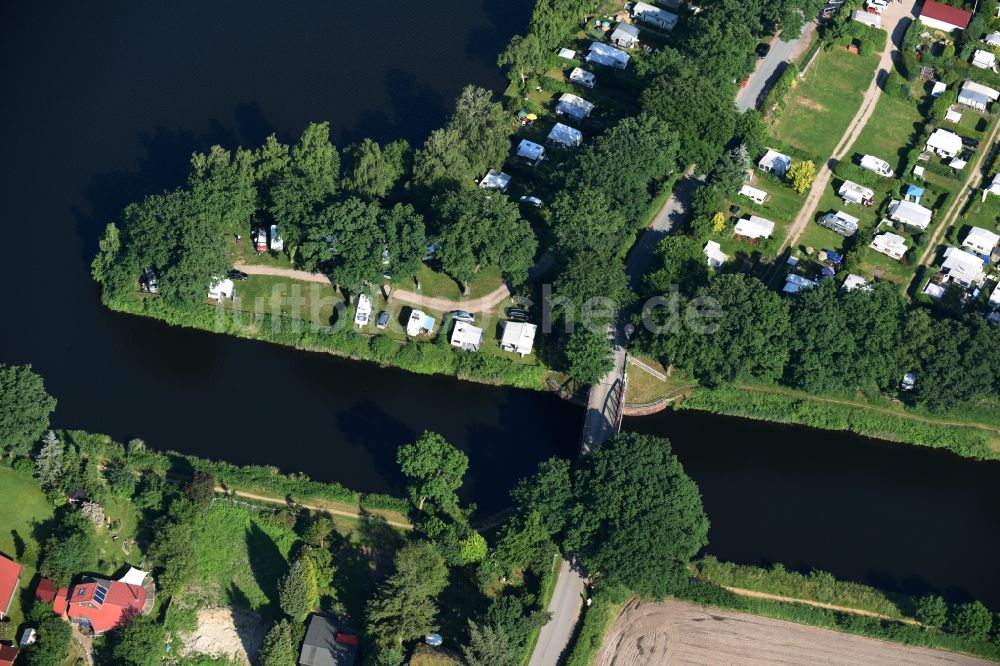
(100, 593)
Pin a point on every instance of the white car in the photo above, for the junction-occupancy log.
(532, 201)
(363, 314)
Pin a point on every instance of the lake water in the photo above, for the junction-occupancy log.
(107, 101)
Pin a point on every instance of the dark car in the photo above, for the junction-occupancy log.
(462, 315)
(517, 314)
(762, 50)
(969, 142)
(383, 319)
(236, 275)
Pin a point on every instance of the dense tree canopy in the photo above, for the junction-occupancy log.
(24, 408)
(434, 468)
(404, 607)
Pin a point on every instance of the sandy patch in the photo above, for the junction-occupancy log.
(236, 633)
(809, 104)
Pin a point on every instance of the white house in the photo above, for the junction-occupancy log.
(495, 180)
(853, 281)
(419, 323)
(963, 267)
(530, 152)
(984, 59)
(654, 16)
(940, 16)
(716, 257)
(582, 77)
(363, 313)
(851, 192)
(518, 337)
(573, 106)
(794, 283)
(466, 336)
(912, 214)
(889, 244)
(565, 136)
(222, 290)
(774, 162)
(976, 95)
(624, 35)
(944, 143)
(981, 241)
(608, 56)
(879, 166)
(754, 194)
(754, 228)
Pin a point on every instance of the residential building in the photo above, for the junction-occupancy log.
(774, 162)
(583, 78)
(654, 16)
(944, 143)
(754, 194)
(466, 336)
(940, 16)
(573, 107)
(993, 39)
(889, 244)
(963, 267)
(754, 228)
(840, 222)
(101, 605)
(607, 56)
(716, 257)
(328, 642)
(977, 96)
(564, 136)
(8, 655)
(10, 579)
(984, 59)
(530, 152)
(981, 241)
(518, 337)
(910, 213)
(851, 192)
(624, 35)
(952, 115)
(495, 180)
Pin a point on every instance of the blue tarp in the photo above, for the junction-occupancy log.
(914, 191)
(833, 257)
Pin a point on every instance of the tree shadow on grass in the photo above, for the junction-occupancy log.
(268, 567)
(353, 577)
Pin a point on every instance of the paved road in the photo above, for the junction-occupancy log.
(567, 599)
(770, 68)
(673, 213)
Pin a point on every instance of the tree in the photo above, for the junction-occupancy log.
(376, 170)
(53, 638)
(308, 181)
(523, 55)
(476, 229)
(513, 615)
(525, 543)
(201, 488)
(731, 170)
(406, 239)
(972, 621)
(751, 132)
(822, 344)
(581, 293)
(24, 408)
(488, 646)
(404, 606)
(347, 242)
(484, 127)
(682, 267)
(107, 268)
(269, 162)
(585, 222)
(72, 548)
(278, 648)
(434, 468)
(549, 492)
(223, 189)
(140, 643)
(801, 175)
(48, 462)
(473, 548)
(932, 611)
(441, 163)
(297, 591)
(589, 355)
(637, 518)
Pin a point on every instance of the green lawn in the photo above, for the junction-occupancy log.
(985, 214)
(822, 104)
(781, 207)
(22, 504)
(311, 301)
(890, 131)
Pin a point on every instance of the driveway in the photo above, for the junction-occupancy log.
(770, 68)
(567, 599)
(673, 213)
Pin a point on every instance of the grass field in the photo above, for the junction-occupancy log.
(890, 131)
(822, 104)
(22, 504)
(781, 207)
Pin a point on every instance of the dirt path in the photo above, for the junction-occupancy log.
(679, 632)
(275, 271)
(862, 405)
(896, 13)
(817, 604)
(968, 188)
(329, 508)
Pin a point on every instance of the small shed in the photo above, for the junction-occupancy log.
(953, 116)
(774, 162)
(914, 193)
(993, 39)
(573, 106)
(854, 281)
(222, 290)
(754, 194)
(993, 188)
(565, 136)
(466, 336)
(938, 88)
(582, 78)
(984, 59)
(568, 54)
(918, 171)
(716, 257)
(624, 36)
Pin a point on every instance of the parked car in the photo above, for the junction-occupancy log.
(364, 311)
(462, 315)
(532, 201)
(970, 142)
(383, 320)
(236, 275)
(277, 242)
(517, 314)
(148, 281)
(261, 241)
(763, 49)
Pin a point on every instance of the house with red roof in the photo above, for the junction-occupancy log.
(46, 591)
(944, 17)
(100, 605)
(10, 579)
(7, 655)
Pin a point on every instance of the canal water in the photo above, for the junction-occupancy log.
(106, 102)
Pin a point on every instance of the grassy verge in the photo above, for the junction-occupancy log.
(597, 619)
(548, 586)
(22, 506)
